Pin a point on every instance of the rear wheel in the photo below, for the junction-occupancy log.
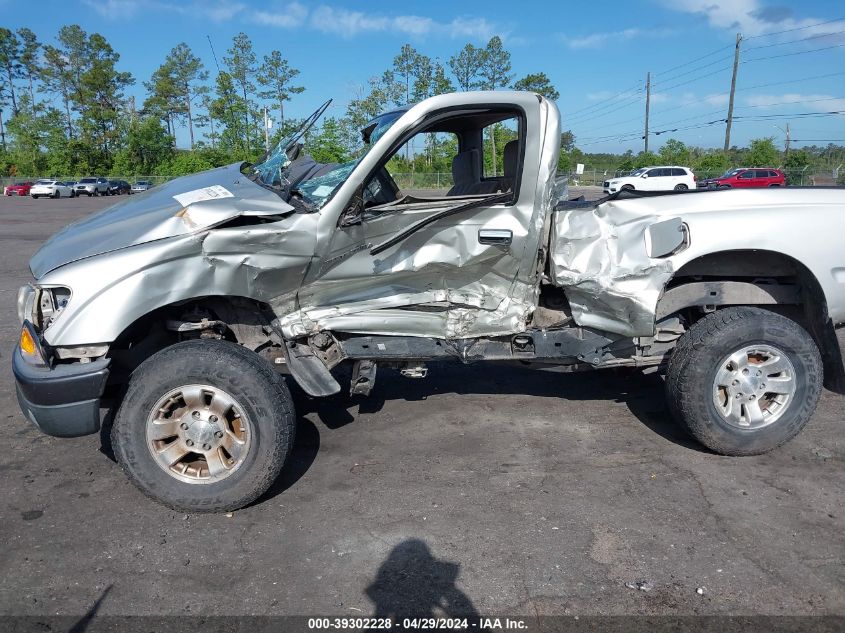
(205, 426)
(744, 380)
(34, 197)
(57, 194)
(681, 187)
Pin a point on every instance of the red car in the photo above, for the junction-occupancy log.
(17, 189)
(746, 177)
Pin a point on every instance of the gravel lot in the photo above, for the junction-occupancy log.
(494, 489)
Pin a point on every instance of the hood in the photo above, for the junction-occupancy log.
(189, 204)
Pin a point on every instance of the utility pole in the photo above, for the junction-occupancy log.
(647, 104)
(266, 130)
(786, 149)
(730, 118)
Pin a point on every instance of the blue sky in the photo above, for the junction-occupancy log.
(597, 54)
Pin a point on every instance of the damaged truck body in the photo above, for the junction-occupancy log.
(187, 304)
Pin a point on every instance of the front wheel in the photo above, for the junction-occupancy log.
(205, 426)
(744, 380)
(627, 187)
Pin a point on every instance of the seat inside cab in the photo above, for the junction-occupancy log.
(485, 146)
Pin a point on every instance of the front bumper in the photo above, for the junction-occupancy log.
(63, 401)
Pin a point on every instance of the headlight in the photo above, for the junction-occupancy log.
(51, 302)
(26, 302)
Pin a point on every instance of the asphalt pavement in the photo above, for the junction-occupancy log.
(496, 489)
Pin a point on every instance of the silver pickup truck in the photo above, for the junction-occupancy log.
(187, 303)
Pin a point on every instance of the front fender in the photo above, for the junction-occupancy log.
(266, 262)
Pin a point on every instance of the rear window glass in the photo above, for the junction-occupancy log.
(87, 180)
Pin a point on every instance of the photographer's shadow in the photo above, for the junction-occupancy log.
(412, 583)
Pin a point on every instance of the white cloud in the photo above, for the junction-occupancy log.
(328, 19)
(816, 102)
(290, 17)
(752, 17)
(347, 23)
(716, 100)
(597, 40)
(117, 9)
(219, 11)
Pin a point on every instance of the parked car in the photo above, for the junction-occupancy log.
(746, 177)
(141, 185)
(118, 187)
(653, 179)
(190, 298)
(92, 187)
(17, 189)
(50, 189)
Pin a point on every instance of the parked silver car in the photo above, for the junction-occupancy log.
(141, 185)
(92, 186)
(190, 298)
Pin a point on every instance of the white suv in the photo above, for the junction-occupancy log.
(653, 179)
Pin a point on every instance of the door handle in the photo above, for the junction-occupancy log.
(495, 236)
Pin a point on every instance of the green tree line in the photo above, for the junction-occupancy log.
(64, 111)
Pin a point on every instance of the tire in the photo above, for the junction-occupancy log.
(775, 185)
(702, 360)
(724, 187)
(57, 194)
(34, 197)
(255, 391)
(627, 188)
(681, 187)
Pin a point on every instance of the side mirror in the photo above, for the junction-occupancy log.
(354, 211)
(644, 176)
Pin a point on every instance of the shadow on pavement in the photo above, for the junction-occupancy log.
(82, 624)
(412, 583)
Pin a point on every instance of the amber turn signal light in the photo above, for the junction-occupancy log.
(27, 343)
(30, 346)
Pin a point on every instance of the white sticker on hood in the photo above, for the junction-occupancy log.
(201, 195)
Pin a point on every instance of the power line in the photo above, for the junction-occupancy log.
(699, 78)
(800, 28)
(803, 39)
(818, 140)
(692, 61)
(812, 50)
(791, 81)
(780, 103)
(694, 70)
(593, 115)
(635, 88)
